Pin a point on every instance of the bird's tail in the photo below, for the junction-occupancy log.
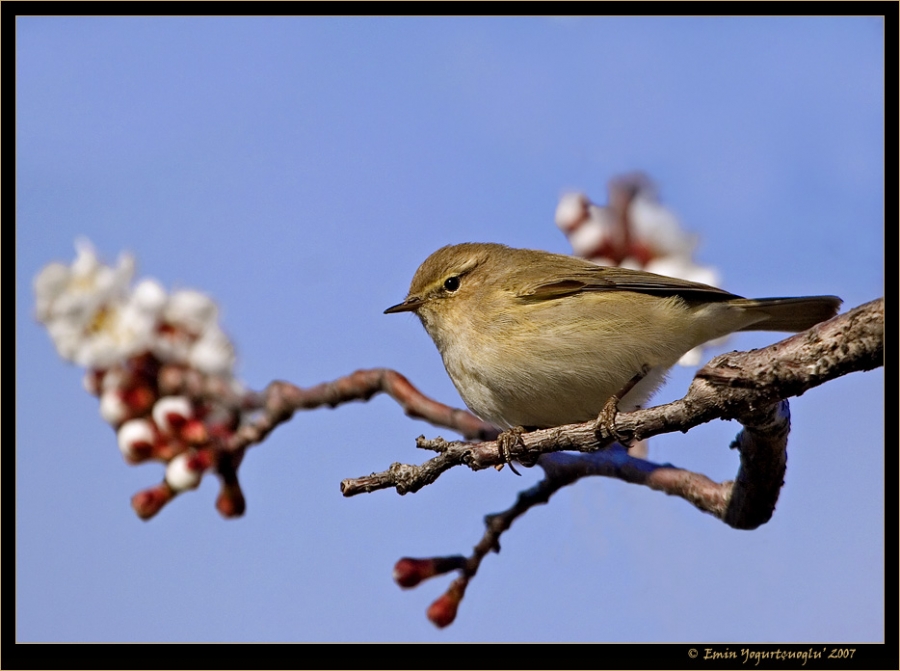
(788, 314)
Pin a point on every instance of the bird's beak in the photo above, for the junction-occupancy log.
(411, 304)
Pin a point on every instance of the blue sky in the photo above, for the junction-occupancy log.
(299, 170)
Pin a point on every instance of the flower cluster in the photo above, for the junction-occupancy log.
(633, 231)
(130, 339)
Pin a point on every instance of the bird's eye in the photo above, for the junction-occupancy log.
(451, 283)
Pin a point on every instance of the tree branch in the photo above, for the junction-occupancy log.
(747, 386)
(277, 404)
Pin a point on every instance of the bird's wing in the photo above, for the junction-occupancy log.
(568, 282)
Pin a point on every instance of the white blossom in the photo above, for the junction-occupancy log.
(591, 234)
(172, 345)
(191, 309)
(149, 297)
(683, 268)
(213, 352)
(658, 227)
(49, 284)
(97, 321)
(81, 304)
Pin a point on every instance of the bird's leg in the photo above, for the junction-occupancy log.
(508, 440)
(607, 417)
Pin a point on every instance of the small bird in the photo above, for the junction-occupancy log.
(534, 339)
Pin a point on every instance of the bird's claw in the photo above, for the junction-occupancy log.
(508, 440)
(606, 422)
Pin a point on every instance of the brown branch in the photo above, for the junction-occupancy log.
(746, 386)
(560, 470)
(281, 400)
(744, 504)
(363, 384)
(276, 405)
(763, 448)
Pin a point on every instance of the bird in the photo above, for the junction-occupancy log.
(536, 339)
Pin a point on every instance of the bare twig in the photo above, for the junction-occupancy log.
(560, 470)
(281, 400)
(276, 405)
(744, 504)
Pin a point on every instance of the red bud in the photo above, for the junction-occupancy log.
(139, 400)
(140, 451)
(150, 501)
(409, 572)
(443, 611)
(193, 432)
(200, 461)
(231, 501)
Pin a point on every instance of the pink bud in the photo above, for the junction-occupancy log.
(194, 432)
